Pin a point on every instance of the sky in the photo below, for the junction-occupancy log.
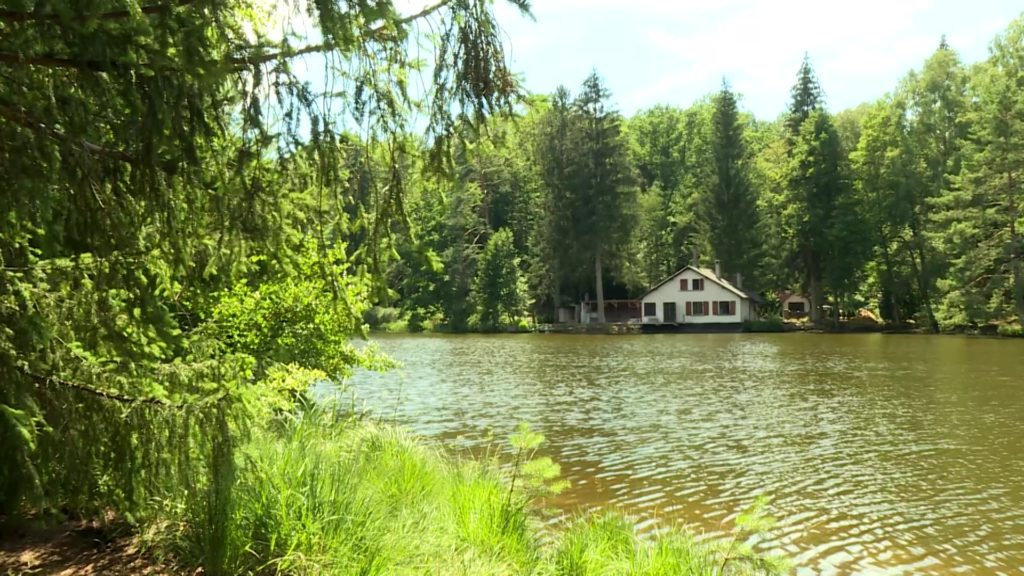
(675, 51)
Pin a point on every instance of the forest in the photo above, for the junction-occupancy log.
(909, 206)
(193, 235)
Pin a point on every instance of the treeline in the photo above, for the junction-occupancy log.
(909, 206)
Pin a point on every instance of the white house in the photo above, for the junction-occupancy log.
(698, 296)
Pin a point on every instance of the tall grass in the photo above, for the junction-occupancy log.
(324, 494)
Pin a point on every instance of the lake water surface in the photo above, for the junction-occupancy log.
(884, 454)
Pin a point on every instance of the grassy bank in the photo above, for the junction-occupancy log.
(318, 494)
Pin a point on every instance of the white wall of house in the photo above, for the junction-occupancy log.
(713, 293)
(748, 311)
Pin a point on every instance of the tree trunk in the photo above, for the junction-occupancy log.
(554, 301)
(814, 291)
(815, 296)
(920, 266)
(599, 278)
(1015, 256)
(1018, 287)
(888, 295)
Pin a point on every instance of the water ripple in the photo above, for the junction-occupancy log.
(884, 454)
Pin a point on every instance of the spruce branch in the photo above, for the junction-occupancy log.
(23, 120)
(21, 16)
(105, 394)
(53, 61)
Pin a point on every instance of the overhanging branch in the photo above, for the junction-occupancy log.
(51, 61)
(105, 394)
(293, 53)
(21, 119)
(16, 16)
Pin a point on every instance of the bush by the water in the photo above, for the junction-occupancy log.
(764, 325)
(1011, 330)
(318, 494)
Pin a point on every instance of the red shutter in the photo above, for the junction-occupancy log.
(689, 308)
(684, 284)
(714, 308)
(706, 305)
(732, 308)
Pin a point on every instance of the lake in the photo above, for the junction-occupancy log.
(884, 454)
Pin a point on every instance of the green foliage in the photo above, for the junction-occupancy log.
(886, 181)
(893, 205)
(183, 218)
(499, 288)
(607, 544)
(1010, 330)
(822, 216)
(733, 218)
(590, 206)
(672, 150)
(805, 98)
(306, 317)
(323, 493)
(379, 316)
(770, 324)
(986, 274)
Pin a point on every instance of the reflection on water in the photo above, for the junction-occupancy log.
(884, 454)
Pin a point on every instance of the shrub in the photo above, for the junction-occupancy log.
(379, 316)
(1011, 330)
(765, 325)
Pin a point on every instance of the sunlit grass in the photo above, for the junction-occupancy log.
(319, 495)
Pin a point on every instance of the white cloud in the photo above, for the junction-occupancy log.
(758, 46)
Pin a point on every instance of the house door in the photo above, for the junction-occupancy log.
(669, 312)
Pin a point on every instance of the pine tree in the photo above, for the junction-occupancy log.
(556, 254)
(589, 193)
(821, 213)
(805, 98)
(605, 198)
(812, 179)
(730, 205)
(938, 125)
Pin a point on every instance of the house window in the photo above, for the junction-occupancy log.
(698, 283)
(697, 309)
(724, 308)
(797, 307)
(670, 312)
(650, 309)
(684, 284)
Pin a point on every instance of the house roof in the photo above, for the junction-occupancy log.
(787, 294)
(710, 275)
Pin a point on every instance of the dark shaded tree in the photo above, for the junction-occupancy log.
(730, 205)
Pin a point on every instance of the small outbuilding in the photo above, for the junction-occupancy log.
(794, 305)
